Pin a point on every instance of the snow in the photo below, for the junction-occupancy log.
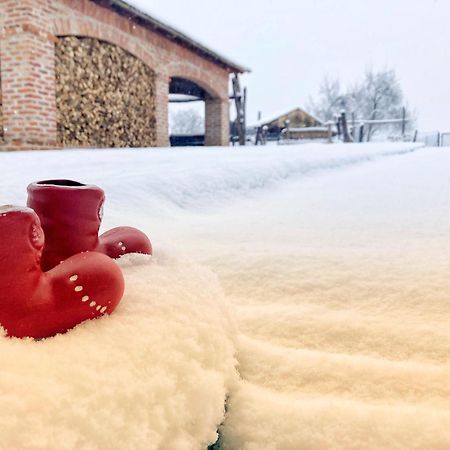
(155, 374)
(158, 181)
(308, 129)
(183, 98)
(320, 270)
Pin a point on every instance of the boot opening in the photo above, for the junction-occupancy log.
(5, 209)
(61, 183)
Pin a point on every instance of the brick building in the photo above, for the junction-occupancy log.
(99, 73)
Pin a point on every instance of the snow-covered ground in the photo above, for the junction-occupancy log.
(308, 285)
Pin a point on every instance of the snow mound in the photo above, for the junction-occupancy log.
(261, 418)
(164, 182)
(153, 375)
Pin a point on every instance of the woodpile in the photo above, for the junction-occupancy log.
(104, 95)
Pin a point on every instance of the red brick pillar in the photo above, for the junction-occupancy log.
(27, 50)
(162, 110)
(217, 122)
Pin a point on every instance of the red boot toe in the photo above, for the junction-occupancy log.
(37, 304)
(121, 240)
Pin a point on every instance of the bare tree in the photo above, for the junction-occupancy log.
(329, 101)
(377, 96)
(187, 121)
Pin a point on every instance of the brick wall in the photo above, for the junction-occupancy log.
(27, 73)
(162, 109)
(29, 30)
(216, 121)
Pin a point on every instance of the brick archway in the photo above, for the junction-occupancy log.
(82, 26)
(214, 87)
(216, 103)
(30, 113)
(216, 100)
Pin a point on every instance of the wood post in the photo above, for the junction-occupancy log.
(403, 121)
(288, 131)
(353, 127)
(361, 133)
(338, 126)
(240, 109)
(345, 134)
(329, 133)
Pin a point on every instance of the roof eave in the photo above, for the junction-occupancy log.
(174, 34)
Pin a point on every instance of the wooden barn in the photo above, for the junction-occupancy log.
(296, 120)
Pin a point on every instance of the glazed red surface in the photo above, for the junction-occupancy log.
(71, 214)
(40, 304)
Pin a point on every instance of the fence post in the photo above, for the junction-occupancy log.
(361, 132)
(403, 121)
(338, 126)
(287, 122)
(264, 134)
(345, 134)
(353, 127)
(258, 139)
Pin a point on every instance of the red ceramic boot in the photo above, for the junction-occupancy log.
(40, 304)
(70, 214)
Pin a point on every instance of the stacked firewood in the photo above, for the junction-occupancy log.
(105, 96)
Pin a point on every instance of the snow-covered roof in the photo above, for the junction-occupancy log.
(183, 98)
(307, 129)
(272, 117)
(134, 9)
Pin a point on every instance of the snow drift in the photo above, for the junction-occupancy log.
(321, 270)
(153, 182)
(154, 375)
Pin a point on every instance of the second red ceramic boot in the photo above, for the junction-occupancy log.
(70, 214)
(39, 304)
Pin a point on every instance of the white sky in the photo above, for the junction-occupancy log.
(291, 44)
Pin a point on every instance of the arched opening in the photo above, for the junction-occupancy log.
(105, 96)
(186, 113)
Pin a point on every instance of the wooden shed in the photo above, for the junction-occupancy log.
(294, 118)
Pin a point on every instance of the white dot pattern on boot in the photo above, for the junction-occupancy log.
(86, 298)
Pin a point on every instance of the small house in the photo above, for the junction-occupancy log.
(295, 122)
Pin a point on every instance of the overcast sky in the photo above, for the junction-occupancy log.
(291, 44)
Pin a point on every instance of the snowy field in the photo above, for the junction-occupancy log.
(308, 286)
